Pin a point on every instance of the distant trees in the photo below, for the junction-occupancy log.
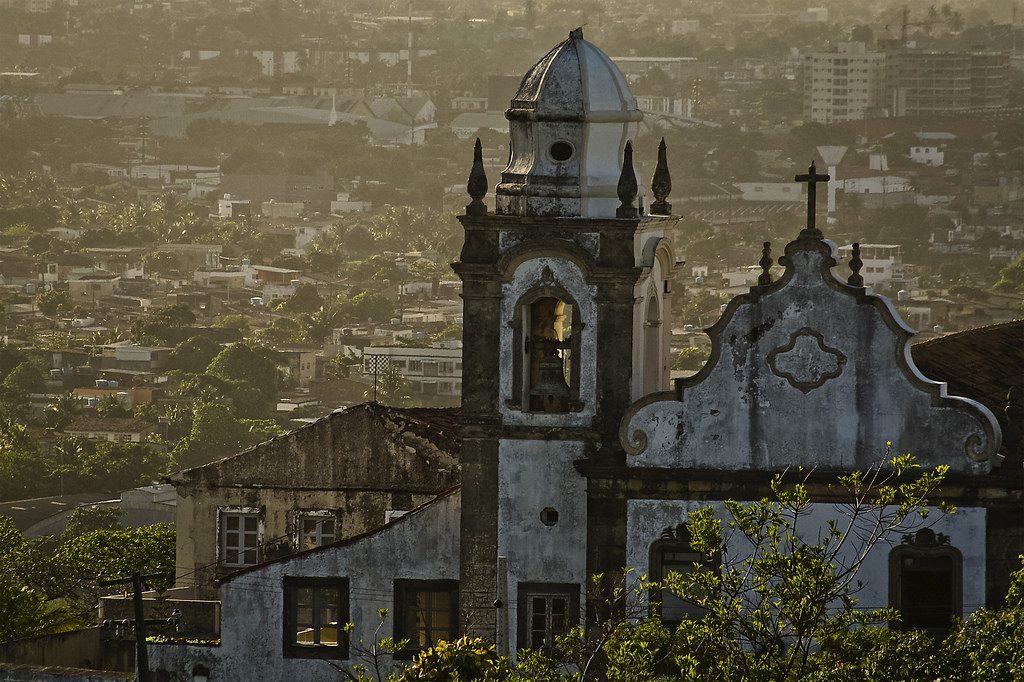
(49, 585)
(247, 371)
(1011, 278)
(689, 358)
(194, 354)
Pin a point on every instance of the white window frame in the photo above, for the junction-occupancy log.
(321, 538)
(234, 556)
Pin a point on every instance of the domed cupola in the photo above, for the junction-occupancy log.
(569, 122)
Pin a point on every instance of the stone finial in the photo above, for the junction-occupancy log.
(855, 279)
(661, 183)
(627, 188)
(766, 263)
(477, 184)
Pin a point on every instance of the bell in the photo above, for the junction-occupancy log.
(551, 379)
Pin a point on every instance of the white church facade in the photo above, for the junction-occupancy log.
(577, 455)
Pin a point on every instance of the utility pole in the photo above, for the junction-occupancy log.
(141, 655)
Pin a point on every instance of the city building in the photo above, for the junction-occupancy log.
(929, 83)
(434, 374)
(845, 85)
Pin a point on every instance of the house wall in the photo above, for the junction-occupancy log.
(647, 518)
(532, 476)
(423, 545)
(360, 462)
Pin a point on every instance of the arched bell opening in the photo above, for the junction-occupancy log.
(546, 373)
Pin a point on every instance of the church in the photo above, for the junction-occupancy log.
(577, 454)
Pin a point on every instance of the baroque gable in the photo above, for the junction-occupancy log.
(808, 371)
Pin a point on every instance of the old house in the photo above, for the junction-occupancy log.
(336, 478)
(578, 457)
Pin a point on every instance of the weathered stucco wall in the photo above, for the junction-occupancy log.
(534, 476)
(647, 518)
(423, 545)
(358, 463)
(814, 372)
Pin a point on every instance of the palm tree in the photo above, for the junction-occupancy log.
(69, 452)
(63, 410)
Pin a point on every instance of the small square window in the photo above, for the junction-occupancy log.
(315, 614)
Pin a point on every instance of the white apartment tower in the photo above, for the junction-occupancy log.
(846, 85)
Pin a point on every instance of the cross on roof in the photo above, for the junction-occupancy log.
(812, 179)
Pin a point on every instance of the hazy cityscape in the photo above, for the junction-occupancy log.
(266, 356)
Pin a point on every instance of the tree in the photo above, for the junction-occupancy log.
(239, 362)
(167, 325)
(306, 299)
(52, 302)
(216, 432)
(689, 358)
(63, 410)
(194, 354)
(1011, 278)
(110, 407)
(118, 466)
(87, 519)
(161, 262)
(391, 389)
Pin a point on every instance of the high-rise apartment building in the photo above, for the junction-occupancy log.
(853, 83)
(846, 85)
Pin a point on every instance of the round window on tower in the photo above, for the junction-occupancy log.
(561, 151)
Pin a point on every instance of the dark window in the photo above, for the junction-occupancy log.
(546, 611)
(925, 582)
(672, 553)
(315, 614)
(426, 612)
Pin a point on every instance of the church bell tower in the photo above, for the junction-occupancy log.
(566, 289)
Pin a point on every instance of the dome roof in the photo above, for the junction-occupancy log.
(575, 81)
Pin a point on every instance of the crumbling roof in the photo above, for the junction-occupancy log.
(348, 448)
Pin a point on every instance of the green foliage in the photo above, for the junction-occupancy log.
(239, 322)
(194, 354)
(87, 519)
(118, 466)
(465, 659)
(161, 262)
(110, 407)
(48, 587)
(167, 326)
(701, 308)
(241, 363)
(1011, 278)
(24, 379)
(216, 432)
(987, 647)
(306, 299)
(392, 389)
(690, 358)
(112, 552)
(52, 302)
